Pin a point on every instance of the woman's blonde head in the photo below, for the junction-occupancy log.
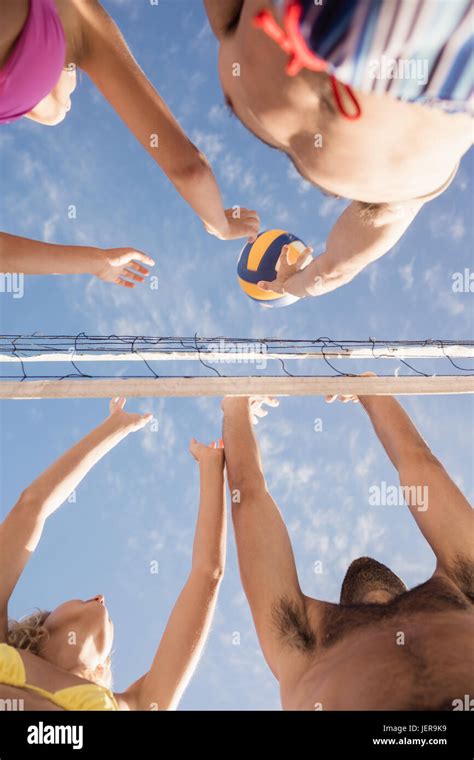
(29, 633)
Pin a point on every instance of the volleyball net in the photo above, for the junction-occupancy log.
(91, 366)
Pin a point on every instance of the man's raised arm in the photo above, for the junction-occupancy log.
(358, 238)
(445, 517)
(267, 565)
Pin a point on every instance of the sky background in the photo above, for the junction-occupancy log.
(140, 503)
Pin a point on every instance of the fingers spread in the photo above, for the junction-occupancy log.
(139, 268)
(283, 257)
(124, 283)
(270, 401)
(304, 258)
(274, 286)
(246, 213)
(132, 276)
(128, 255)
(139, 256)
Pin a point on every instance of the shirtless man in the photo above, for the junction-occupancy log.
(367, 136)
(351, 655)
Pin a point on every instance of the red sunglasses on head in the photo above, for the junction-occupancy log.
(291, 42)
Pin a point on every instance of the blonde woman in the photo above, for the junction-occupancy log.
(38, 662)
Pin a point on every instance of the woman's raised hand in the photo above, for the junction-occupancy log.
(348, 397)
(241, 222)
(129, 421)
(212, 453)
(254, 404)
(122, 266)
(289, 268)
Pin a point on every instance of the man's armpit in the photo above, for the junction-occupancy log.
(461, 572)
(291, 621)
(381, 214)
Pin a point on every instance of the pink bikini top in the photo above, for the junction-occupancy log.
(35, 63)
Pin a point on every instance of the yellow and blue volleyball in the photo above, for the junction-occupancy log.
(257, 261)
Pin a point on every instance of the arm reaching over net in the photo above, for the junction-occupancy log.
(122, 266)
(21, 530)
(108, 61)
(444, 515)
(355, 241)
(266, 560)
(188, 626)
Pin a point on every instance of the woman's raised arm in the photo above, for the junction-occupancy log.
(21, 530)
(189, 623)
(108, 61)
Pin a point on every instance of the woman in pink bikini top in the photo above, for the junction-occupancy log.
(41, 42)
(35, 65)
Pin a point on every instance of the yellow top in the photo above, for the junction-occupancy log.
(84, 697)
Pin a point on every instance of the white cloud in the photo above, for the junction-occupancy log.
(406, 273)
(373, 274)
(447, 225)
(209, 142)
(458, 229)
(196, 80)
(49, 227)
(202, 37)
(303, 185)
(234, 172)
(365, 462)
(158, 440)
(367, 535)
(216, 114)
(329, 207)
(431, 276)
(453, 304)
(439, 283)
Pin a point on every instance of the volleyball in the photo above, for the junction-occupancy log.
(257, 261)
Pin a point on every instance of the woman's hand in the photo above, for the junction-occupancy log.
(212, 453)
(289, 269)
(253, 403)
(129, 422)
(256, 407)
(349, 396)
(121, 266)
(247, 224)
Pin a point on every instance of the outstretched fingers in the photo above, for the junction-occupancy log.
(274, 285)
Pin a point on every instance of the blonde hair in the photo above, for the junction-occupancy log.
(29, 633)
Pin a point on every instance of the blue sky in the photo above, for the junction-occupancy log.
(140, 503)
